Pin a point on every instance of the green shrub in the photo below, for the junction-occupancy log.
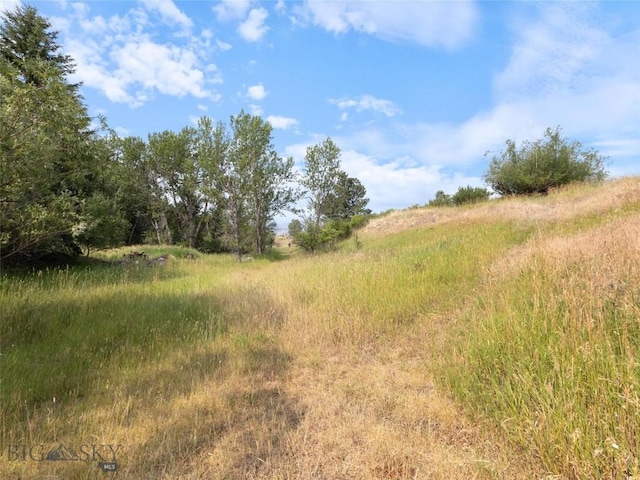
(359, 221)
(442, 200)
(314, 238)
(536, 167)
(470, 194)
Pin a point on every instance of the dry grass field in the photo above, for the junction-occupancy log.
(495, 341)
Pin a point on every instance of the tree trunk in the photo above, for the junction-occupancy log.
(168, 229)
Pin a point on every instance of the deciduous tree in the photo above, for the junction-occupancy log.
(538, 166)
(180, 176)
(259, 184)
(322, 169)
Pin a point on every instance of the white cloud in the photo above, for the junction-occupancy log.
(400, 183)
(141, 65)
(253, 28)
(367, 102)
(123, 25)
(223, 46)
(396, 182)
(280, 7)
(9, 5)
(282, 123)
(169, 69)
(582, 80)
(93, 71)
(228, 10)
(122, 132)
(551, 55)
(256, 92)
(566, 69)
(169, 13)
(94, 25)
(256, 110)
(213, 74)
(78, 7)
(117, 56)
(447, 24)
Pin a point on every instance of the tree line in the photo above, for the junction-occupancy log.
(69, 183)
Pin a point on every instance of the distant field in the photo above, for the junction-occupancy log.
(495, 341)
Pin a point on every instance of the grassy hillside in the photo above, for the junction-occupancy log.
(494, 341)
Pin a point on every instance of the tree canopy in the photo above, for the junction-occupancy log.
(217, 186)
(66, 188)
(347, 199)
(49, 155)
(334, 198)
(26, 42)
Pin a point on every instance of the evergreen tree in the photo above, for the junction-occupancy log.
(26, 41)
(48, 155)
(347, 200)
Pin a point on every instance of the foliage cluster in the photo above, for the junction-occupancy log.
(337, 202)
(536, 167)
(49, 155)
(464, 195)
(67, 187)
(215, 187)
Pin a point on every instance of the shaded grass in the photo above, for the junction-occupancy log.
(63, 329)
(128, 357)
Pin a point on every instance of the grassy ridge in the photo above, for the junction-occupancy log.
(555, 359)
(525, 312)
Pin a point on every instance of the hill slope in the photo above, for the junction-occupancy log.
(494, 341)
(562, 205)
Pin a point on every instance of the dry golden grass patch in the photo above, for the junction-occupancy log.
(379, 416)
(565, 203)
(606, 253)
(347, 404)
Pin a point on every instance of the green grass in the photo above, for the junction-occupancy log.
(554, 360)
(531, 327)
(66, 330)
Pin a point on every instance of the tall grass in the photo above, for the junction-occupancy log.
(353, 364)
(554, 360)
(388, 284)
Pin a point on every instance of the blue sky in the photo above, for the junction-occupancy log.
(413, 92)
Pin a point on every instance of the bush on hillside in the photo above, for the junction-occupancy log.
(463, 196)
(441, 200)
(314, 238)
(536, 167)
(470, 194)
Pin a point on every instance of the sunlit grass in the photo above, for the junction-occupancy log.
(352, 364)
(554, 360)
